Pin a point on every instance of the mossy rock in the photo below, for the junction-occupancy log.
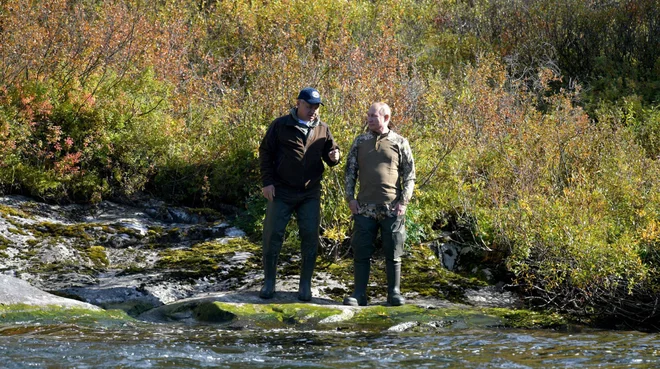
(78, 231)
(8, 210)
(522, 318)
(458, 316)
(330, 317)
(206, 256)
(212, 313)
(422, 274)
(268, 316)
(386, 317)
(98, 256)
(132, 308)
(4, 242)
(49, 314)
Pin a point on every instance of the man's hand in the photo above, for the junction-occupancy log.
(400, 209)
(354, 206)
(334, 154)
(269, 192)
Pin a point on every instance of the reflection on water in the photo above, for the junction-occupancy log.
(142, 345)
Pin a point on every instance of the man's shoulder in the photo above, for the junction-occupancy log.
(363, 137)
(397, 138)
(282, 119)
(321, 125)
(278, 123)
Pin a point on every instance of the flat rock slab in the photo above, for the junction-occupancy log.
(284, 311)
(19, 301)
(15, 291)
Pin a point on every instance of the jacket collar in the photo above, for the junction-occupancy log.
(293, 119)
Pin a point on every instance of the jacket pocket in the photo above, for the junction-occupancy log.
(291, 172)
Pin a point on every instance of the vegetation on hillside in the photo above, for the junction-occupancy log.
(535, 124)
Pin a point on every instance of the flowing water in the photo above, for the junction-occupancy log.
(150, 345)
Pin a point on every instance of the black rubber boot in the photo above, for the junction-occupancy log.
(361, 276)
(270, 271)
(306, 272)
(393, 271)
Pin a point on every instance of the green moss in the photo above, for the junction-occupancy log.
(79, 230)
(54, 313)
(213, 313)
(422, 273)
(210, 215)
(206, 256)
(155, 229)
(132, 308)
(17, 231)
(4, 242)
(62, 267)
(264, 315)
(97, 255)
(8, 210)
(26, 255)
(529, 319)
(371, 317)
(15, 223)
(154, 232)
(376, 316)
(133, 268)
(29, 205)
(82, 231)
(32, 242)
(129, 231)
(303, 313)
(342, 271)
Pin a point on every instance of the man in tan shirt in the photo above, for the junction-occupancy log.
(381, 161)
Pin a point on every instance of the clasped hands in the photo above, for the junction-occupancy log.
(399, 208)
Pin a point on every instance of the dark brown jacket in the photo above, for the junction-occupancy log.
(288, 158)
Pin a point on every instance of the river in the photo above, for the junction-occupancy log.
(136, 344)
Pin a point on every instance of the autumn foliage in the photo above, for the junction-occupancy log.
(535, 128)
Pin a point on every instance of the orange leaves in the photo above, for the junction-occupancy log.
(68, 165)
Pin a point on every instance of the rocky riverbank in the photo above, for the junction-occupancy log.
(157, 262)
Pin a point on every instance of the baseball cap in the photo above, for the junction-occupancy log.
(311, 95)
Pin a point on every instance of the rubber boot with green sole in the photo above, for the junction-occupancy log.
(361, 276)
(306, 272)
(393, 271)
(270, 272)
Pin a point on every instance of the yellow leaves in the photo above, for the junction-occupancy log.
(651, 233)
(335, 233)
(524, 205)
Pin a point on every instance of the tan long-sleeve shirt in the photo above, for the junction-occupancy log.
(384, 167)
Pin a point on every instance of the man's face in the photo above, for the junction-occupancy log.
(307, 111)
(376, 120)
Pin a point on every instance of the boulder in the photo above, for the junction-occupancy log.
(15, 291)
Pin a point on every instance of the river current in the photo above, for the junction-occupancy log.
(150, 345)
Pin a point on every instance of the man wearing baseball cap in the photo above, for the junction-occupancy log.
(291, 157)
